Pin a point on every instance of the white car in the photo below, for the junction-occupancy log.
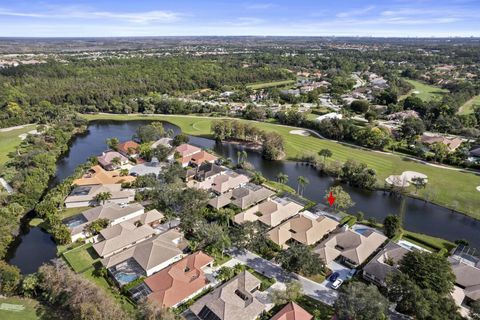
(336, 284)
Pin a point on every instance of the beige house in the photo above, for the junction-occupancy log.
(350, 247)
(304, 228)
(113, 212)
(270, 212)
(243, 197)
(467, 283)
(151, 255)
(235, 300)
(84, 196)
(120, 237)
(451, 143)
(229, 181)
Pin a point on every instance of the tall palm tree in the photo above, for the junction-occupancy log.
(102, 197)
(241, 157)
(301, 183)
(282, 178)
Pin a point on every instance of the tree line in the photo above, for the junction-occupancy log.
(233, 130)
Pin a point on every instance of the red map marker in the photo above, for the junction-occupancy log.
(331, 199)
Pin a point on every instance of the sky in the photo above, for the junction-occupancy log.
(107, 18)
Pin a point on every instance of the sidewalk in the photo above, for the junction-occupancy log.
(312, 289)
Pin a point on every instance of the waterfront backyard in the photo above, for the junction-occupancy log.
(442, 181)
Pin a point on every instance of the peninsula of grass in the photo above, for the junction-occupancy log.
(441, 181)
(424, 91)
(9, 140)
(265, 85)
(467, 107)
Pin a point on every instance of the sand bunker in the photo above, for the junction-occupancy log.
(405, 178)
(303, 133)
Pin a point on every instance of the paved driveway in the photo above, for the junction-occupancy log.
(312, 289)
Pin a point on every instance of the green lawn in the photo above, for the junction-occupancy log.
(9, 141)
(467, 108)
(425, 91)
(428, 242)
(29, 312)
(264, 85)
(82, 258)
(314, 307)
(70, 212)
(441, 181)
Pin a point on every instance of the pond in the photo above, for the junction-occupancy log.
(35, 247)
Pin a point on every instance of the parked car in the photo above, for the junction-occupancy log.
(334, 276)
(336, 284)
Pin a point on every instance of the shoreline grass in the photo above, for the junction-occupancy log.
(465, 199)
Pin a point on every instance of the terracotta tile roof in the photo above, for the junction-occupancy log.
(98, 175)
(177, 282)
(201, 157)
(128, 147)
(292, 311)
(186, 150)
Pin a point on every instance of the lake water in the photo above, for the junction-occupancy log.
(36, 247)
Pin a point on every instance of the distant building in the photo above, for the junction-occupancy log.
(451, 143)
(331, 115)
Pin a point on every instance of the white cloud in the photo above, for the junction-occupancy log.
(355, 12)
(74, 12)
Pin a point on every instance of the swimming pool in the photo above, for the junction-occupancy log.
(124, 278)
